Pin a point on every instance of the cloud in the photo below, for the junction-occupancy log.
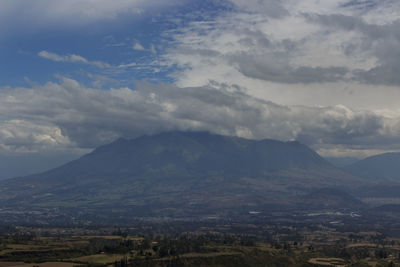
(322, 72)
(132, 64)
(68, 113)
(263, 67)
(153, 49)
(381, 40)
(26, 137)
(284, 49)
(137, 46)
(66, 13)
(71, 59)
(271, 8)
(291, 52)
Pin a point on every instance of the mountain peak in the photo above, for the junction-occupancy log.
(190, 172)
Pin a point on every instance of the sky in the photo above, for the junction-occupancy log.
(75, 75)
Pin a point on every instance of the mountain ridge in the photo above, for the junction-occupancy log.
(179, 173)
(384, 166)
(220, 147)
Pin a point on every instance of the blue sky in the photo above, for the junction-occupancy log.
(76, 74)
(130, 37)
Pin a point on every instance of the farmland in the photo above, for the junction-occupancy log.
(282, 246)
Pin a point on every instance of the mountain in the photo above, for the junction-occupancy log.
(329, 198)
(378, 167)
(178, 174)
(341, 162)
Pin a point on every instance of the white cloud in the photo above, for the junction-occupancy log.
(52, 56)
(47, 13)
(132, 64)
(137, 46)
(65, 113)
(26, 137)
(153, 49)
(71, 59)
(296, 52)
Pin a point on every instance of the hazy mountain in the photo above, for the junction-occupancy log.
(329, 198)
(378, 167)
(341, 162)
(180, 173)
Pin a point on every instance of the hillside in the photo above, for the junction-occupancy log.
(378, 167)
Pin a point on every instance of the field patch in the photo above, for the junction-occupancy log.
(327, 261)
(99, 258)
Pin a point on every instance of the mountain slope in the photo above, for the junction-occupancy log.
(378, 167)
(179, 173)
(186, 153)
(329, 198)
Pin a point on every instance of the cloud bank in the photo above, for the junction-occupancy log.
(68, 114)
(296, 52)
